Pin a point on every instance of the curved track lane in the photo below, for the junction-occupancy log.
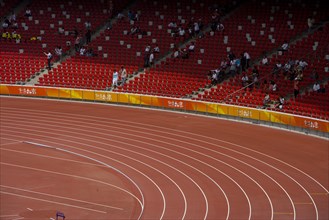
(129, 163)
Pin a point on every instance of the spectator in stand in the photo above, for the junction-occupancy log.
(115, 79)
(299, 76)
(88, 25)
(265, 60)
(247, 57)
(147, 54)
(245, 80)
(131, 16)
(191, 47)
(68, 45)
(123, 74)
(214, 77)
(134, 30)
(58, 52)
(310, 22)
(196, 29)
(28, 12)
(281, 101)
(12, 17)
(176, 53)
(88, 36)
(224, 64)
(266, 100)
(255, 71)
(302, 64)
(184, 54)
(5, 25)
(120, 16)
(273, 86)
(77, 43)
(317, 88)
(284, 46)
(151, 59)
(61, 30)
(147, 48)
(231, 56)
(14, 25)
(156, 49)
(49, 58)
(82, 51)
(181, 32)
(172, 25)
(220, 27)
(16, 36)
(255, 81)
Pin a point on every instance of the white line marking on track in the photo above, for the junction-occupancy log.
(100, 162)
(8, 216)
(61, 197)
(18, 218)
(75, 176)
(58, 203)
(129, 167)
(29, 209)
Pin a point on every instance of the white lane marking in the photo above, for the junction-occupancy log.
(49, 201)
(185, 202)
(8, 216)
(100, 162)
(29, 209)
(60, 197)
(70, 175)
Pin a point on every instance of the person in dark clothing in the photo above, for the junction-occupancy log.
(88, 36)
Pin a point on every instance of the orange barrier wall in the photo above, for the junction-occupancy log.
(167, 103)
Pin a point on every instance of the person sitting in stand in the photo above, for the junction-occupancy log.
(156, 49)
(82, 51)
(58, 52)
(28, 12)
(280, 102)
(191, 47)
(266, 100)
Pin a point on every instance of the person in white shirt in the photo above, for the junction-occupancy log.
(316, 87)
(28, 13)
(82, 51)
(285, 46)
(58, 52)
(247, 57)
(181, 32)
(49, 58)
(191, 47)
(172, 24)
(87, 25)
(151, 59)
(265, 60)
(156, 49)
(115, 78)
(147, 48)
(245, 80)
(124, 75)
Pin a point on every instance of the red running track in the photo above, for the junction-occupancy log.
(96, 161)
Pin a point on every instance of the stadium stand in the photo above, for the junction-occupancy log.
(257, 27)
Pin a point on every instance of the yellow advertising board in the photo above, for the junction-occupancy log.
(168, 103)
